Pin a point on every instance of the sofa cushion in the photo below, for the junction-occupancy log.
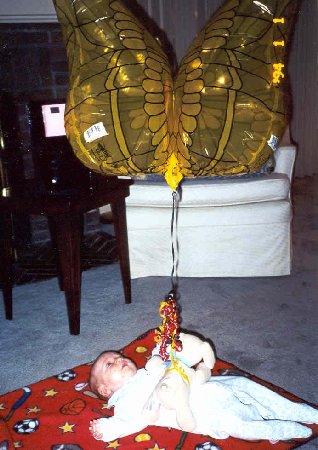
(211, 191)
(277, 212)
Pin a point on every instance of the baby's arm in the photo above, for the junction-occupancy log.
(156, 367)
(129, 416)
(112, 428)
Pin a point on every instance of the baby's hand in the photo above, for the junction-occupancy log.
(95, 430)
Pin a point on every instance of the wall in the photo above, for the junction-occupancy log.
(27, 11)
(303, 69)
(33, 66)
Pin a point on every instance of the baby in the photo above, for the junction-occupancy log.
(223, 406)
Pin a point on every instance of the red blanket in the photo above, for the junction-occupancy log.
(54, 414)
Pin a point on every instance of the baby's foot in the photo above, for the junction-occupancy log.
(94, 429)
(202, 373)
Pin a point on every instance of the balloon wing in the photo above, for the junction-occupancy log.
(230, 101)
(120, 88)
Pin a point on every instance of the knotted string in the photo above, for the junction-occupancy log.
(176, 365)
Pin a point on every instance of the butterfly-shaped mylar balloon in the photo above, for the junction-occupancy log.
(223, 114)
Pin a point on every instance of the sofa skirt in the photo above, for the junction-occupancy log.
(245, 240)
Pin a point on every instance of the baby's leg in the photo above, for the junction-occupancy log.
(273, 430)
(202, 373)
(279, 407)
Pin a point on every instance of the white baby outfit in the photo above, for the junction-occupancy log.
(224, 406)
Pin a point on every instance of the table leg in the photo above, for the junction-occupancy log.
(120, 225)
(68, 238)
(6, 262)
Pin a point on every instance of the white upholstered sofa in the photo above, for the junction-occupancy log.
(234, 227)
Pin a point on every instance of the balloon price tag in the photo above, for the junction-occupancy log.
(94, 132)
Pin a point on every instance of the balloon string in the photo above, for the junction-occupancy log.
(174, 240)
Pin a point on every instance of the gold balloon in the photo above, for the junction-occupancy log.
(223, 113)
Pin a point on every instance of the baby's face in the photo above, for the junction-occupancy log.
(113, 370)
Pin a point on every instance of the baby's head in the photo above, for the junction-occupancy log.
(110, 372)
